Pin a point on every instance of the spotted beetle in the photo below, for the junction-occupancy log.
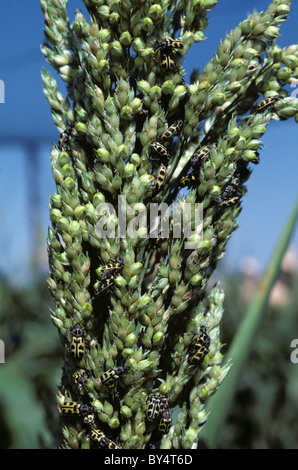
(167, 63)
(200, 347)
(199, 156)
(169, 44)
(105, 285)
(187, 180)
(229, 198)
(108, 274)
(63, 143)
(77, 346)
(165, 48)
(171, 131)
(161, 178)
(102, 439)
(112, 375)
(79, 377)
(113, 268)
(86, 411)
(231, 193)
(71, 407)
(160, 149)
(165, 422)
(157, 404)
(267, 103)
(99, 437)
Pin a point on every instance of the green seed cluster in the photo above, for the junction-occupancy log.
(131, 126)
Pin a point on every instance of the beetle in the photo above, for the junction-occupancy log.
(112, 268)
(140, 118)
(165, 48)
(231, 194)
(86, 411)
(256, 160)
(89, 418)
(74, 407)
(267, 103)
(105, 285)
(229, 199)
(161, 178)
(99, 437)
(71, 407)
(79, 377)
(187, 180)
(157, 404)
(165, 422)
(102, 439)
(169, 44)
(112, 445)
(167, 63)
(199, 156)
(77, 346)
(171, 131)
(160, 149)
(63, 143)
(108, 274)
(112, 375)
(200, 347)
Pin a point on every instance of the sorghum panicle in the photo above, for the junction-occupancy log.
(138, 319)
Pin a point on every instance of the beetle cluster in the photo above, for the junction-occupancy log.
(165, 51)
(158, 412)
(231, 192)
(197, 159)
(86, 412)
(79, 377)
(81, 408)
(159, 149)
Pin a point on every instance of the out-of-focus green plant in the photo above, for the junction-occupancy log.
(246, 332)
(124, 72)
(262, 413)
(31, 371)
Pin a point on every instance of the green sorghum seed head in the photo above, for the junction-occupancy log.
(140, 301)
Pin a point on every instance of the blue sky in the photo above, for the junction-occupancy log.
(25, 115)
